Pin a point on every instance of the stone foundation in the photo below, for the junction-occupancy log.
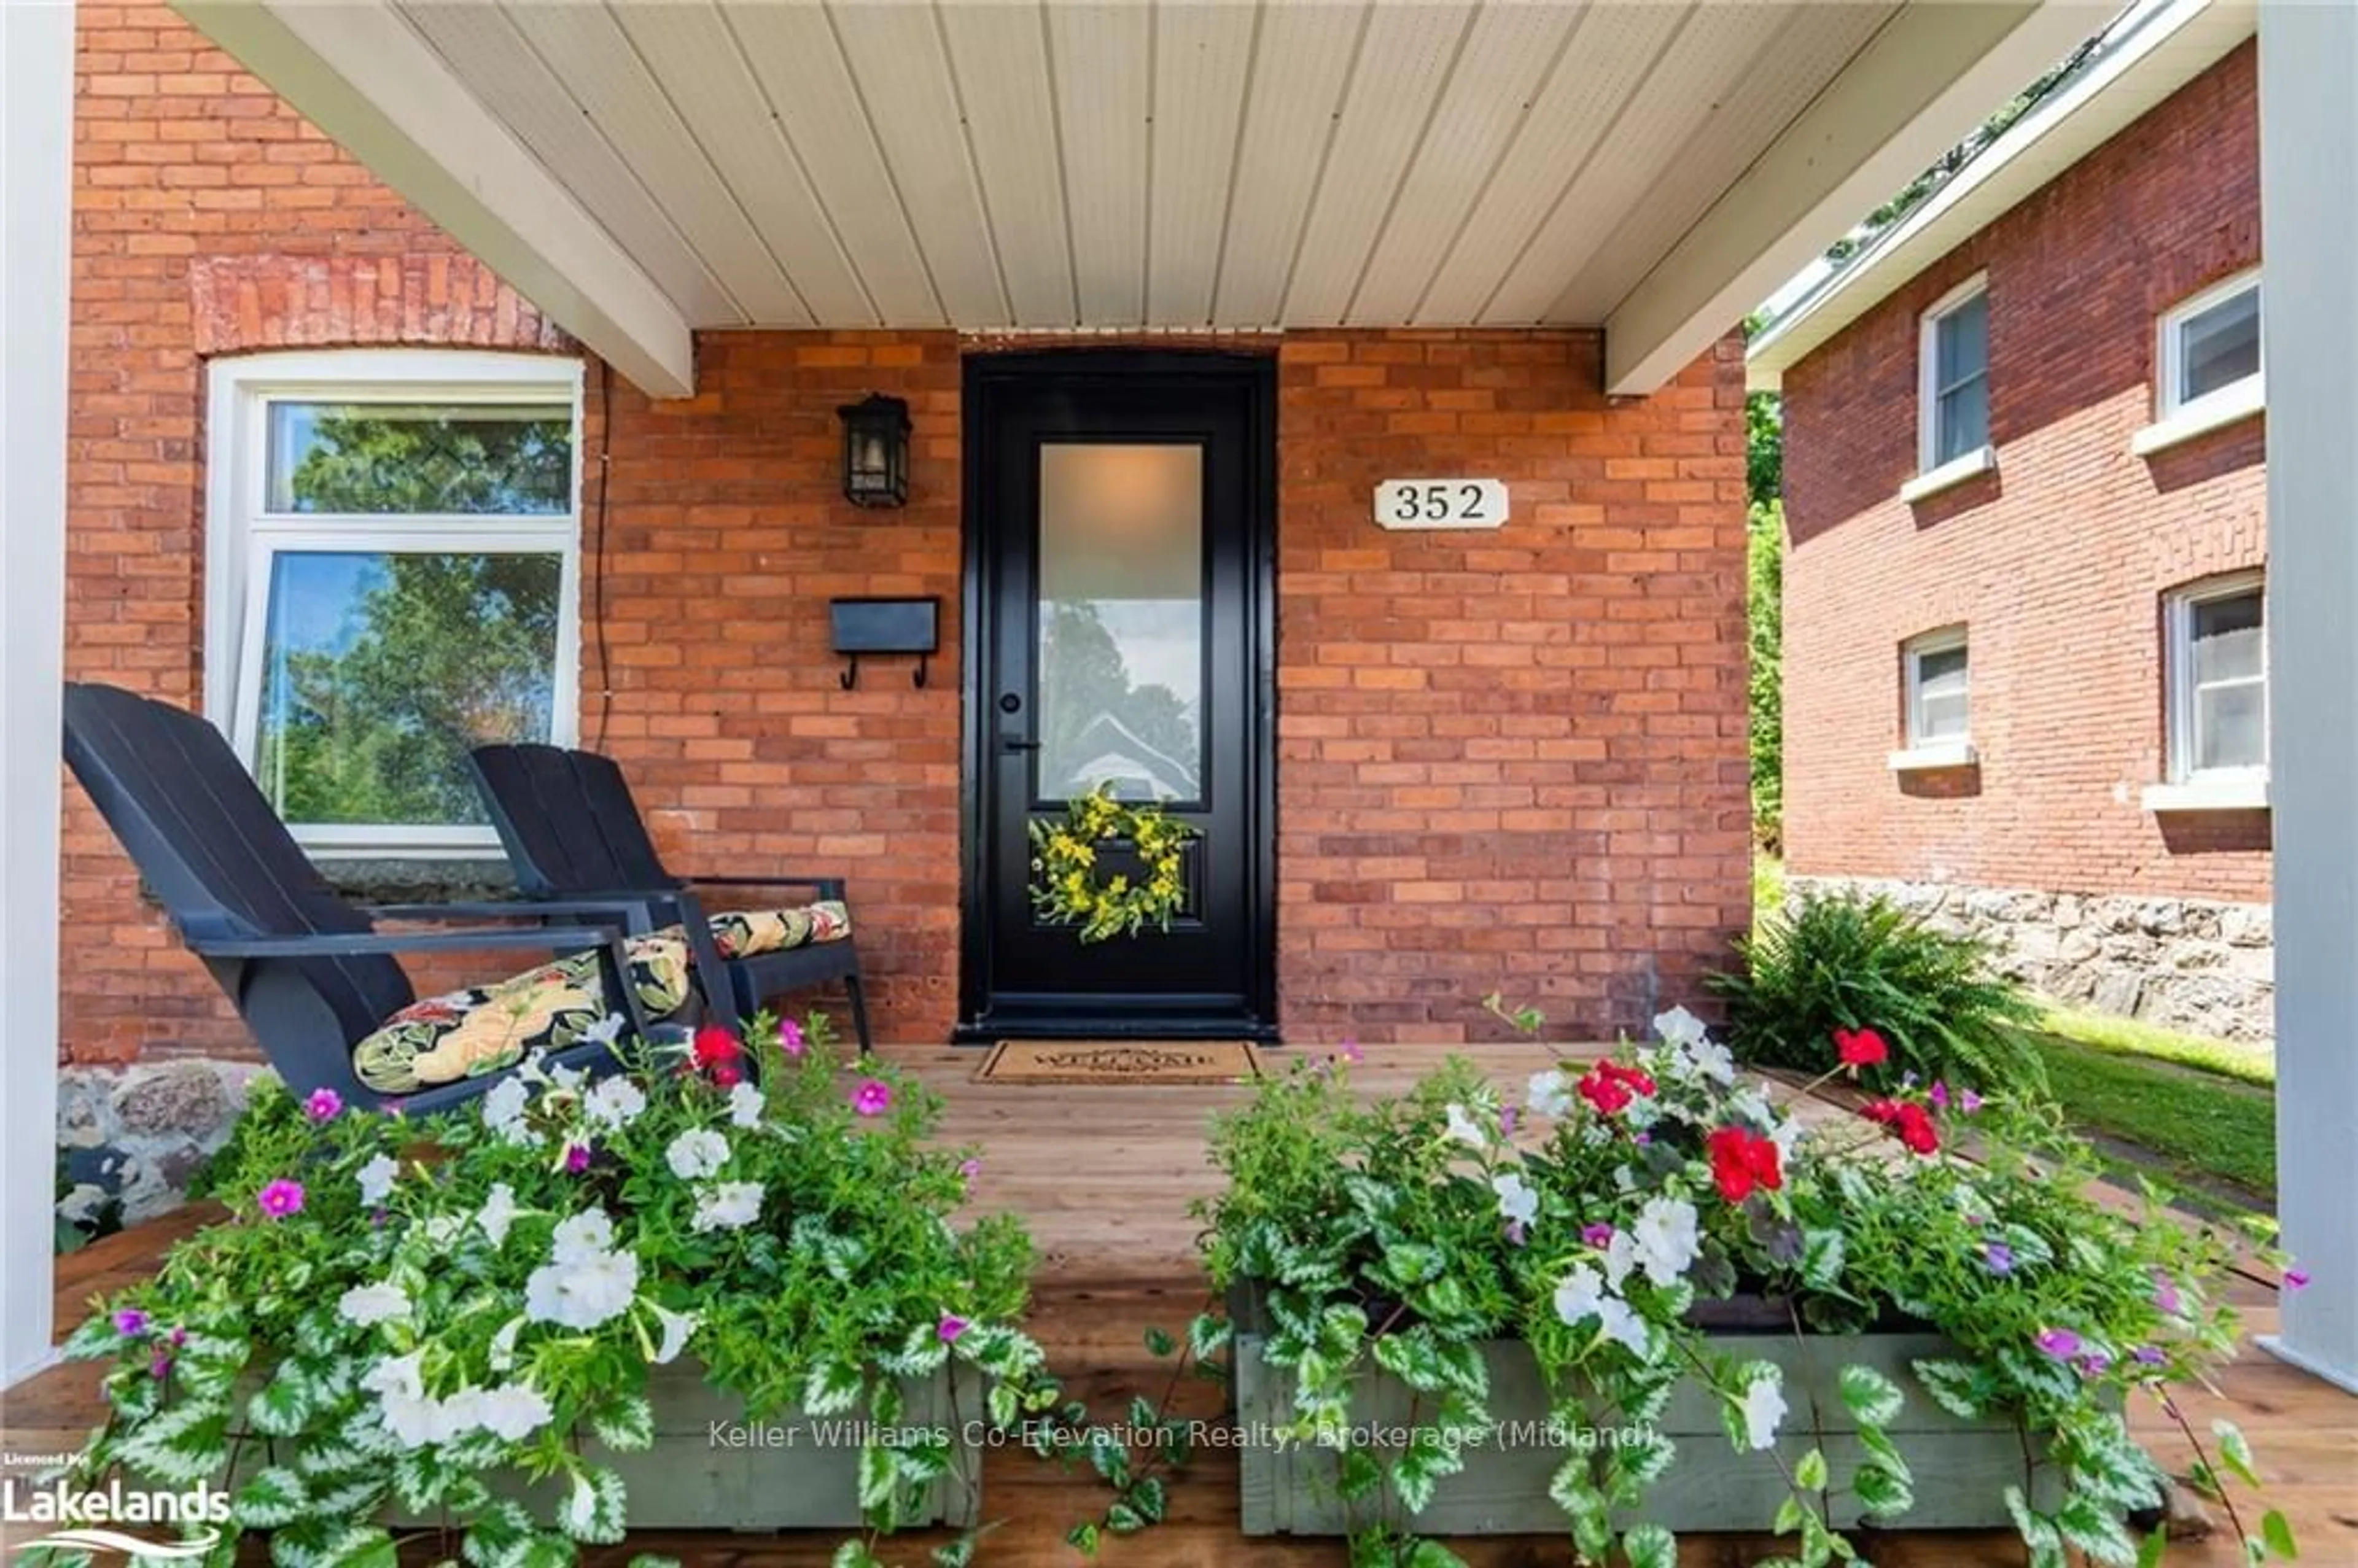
(134, 1136)
(2193, 965)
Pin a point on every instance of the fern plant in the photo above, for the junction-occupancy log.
(1842, 961)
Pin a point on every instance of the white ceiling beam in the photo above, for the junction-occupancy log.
(361, 74)
(1925, 80)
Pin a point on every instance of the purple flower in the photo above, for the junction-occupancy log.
(873, 1098)
(280, 1198)
(2165, 1292)
(2095, 1364)
(1939, 1094)
(790, 1037)
(1642, 1139)
(1596, 1234)
(2060, 1343)
(2148, 1356)
(177, 1337)
(131, 1322)
(1969, 1102)
(2296, 1278)
(377, 1218)
(1506, 1122)
(969, 1169)
(1350, 1050)
(577, 1159)
(325, 1105)
(160, 1367)
(950, 1328)
(1997, 1258)
(1515, 1233)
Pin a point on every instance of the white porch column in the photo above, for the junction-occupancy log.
(37, 66)
(2309, 202)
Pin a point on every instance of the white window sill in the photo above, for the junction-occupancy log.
(1955, 472)
(1938, 754)
(2223, 408)
(2249, 793)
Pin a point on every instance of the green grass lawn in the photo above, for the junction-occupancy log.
(2127, 1037)
(2199, 1125)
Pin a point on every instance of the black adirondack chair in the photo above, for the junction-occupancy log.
(572, 830)
(308, 972)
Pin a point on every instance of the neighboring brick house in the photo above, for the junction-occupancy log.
(2024, 664)
(1509, 761)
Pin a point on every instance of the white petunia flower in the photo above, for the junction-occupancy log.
(1753, 1106)
(1620, 1258)
(441, 1229)
(727, 1206)
(401, 1404)
(368, 1305)
(607, 1029)
(498, 1213)
(697, 1154)
(677, 1326)
(1463, 1129)
(1518, 1202)
(583, 1236)
(745, 1106)
(614, 1103)
(1578, 1295)
(582, 1294)
(1709, 1059)
(1764, 1408)
(1679, 1027)
(1666, 1238)
(503, 1344)
(453, 1418)
(377, 1179)
(1787, 1135)
(1549, 1094)
(504, 1102)
(515, 1411)
(1624, 1326)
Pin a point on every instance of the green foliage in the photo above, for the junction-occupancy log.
(2246, 1064)
(1068, 887)
(456, 1300)
(1385, 1238)
(1840, 961)
(2202, 1128)
(1765, 637)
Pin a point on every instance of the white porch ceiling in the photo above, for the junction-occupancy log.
(1120, 165)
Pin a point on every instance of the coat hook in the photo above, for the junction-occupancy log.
(918, 679)
(850, 676)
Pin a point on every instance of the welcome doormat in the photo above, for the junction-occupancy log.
(1116, 1062)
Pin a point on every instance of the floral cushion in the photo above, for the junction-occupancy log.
(742, 934)
(467, 1033)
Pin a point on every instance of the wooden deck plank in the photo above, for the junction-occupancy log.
(1103, 1177)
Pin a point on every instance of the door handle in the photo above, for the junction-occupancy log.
(1017, 744)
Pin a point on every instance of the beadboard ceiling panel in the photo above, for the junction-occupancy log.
(1088, 165)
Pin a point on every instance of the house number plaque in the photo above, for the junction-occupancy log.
(1442, 502)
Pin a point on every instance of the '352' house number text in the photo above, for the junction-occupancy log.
(1440, 503)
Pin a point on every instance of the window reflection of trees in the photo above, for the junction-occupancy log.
(1097, 724)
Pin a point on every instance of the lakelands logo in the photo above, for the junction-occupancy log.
(82, 1520)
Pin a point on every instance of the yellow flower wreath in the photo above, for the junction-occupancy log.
(1065, 887)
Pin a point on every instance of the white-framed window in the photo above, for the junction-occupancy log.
(2218, 678)
(2210, 348)
(1952, 359)
(392, 551)
(1939, 690)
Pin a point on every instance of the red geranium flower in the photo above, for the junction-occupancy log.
(1909, 1121)
(1861, 1048)
(1610, 1087)
(715, 1047)
(1741, 1161)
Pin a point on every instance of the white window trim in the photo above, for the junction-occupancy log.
(2170, 355)
(2198, 789)
(1928, 371)
(241, 532)
(1922, 751)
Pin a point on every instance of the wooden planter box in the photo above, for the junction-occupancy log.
(710, 1467)
(1961, 1468)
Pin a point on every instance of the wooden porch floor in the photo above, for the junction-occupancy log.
(1104, 1177)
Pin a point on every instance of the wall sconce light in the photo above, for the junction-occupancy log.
(875, 450)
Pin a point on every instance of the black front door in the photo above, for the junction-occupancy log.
(1118, 526)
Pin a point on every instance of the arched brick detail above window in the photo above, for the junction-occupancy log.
(244, 303)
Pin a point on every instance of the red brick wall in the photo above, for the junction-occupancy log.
(1509, 760)
(2057, 563)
